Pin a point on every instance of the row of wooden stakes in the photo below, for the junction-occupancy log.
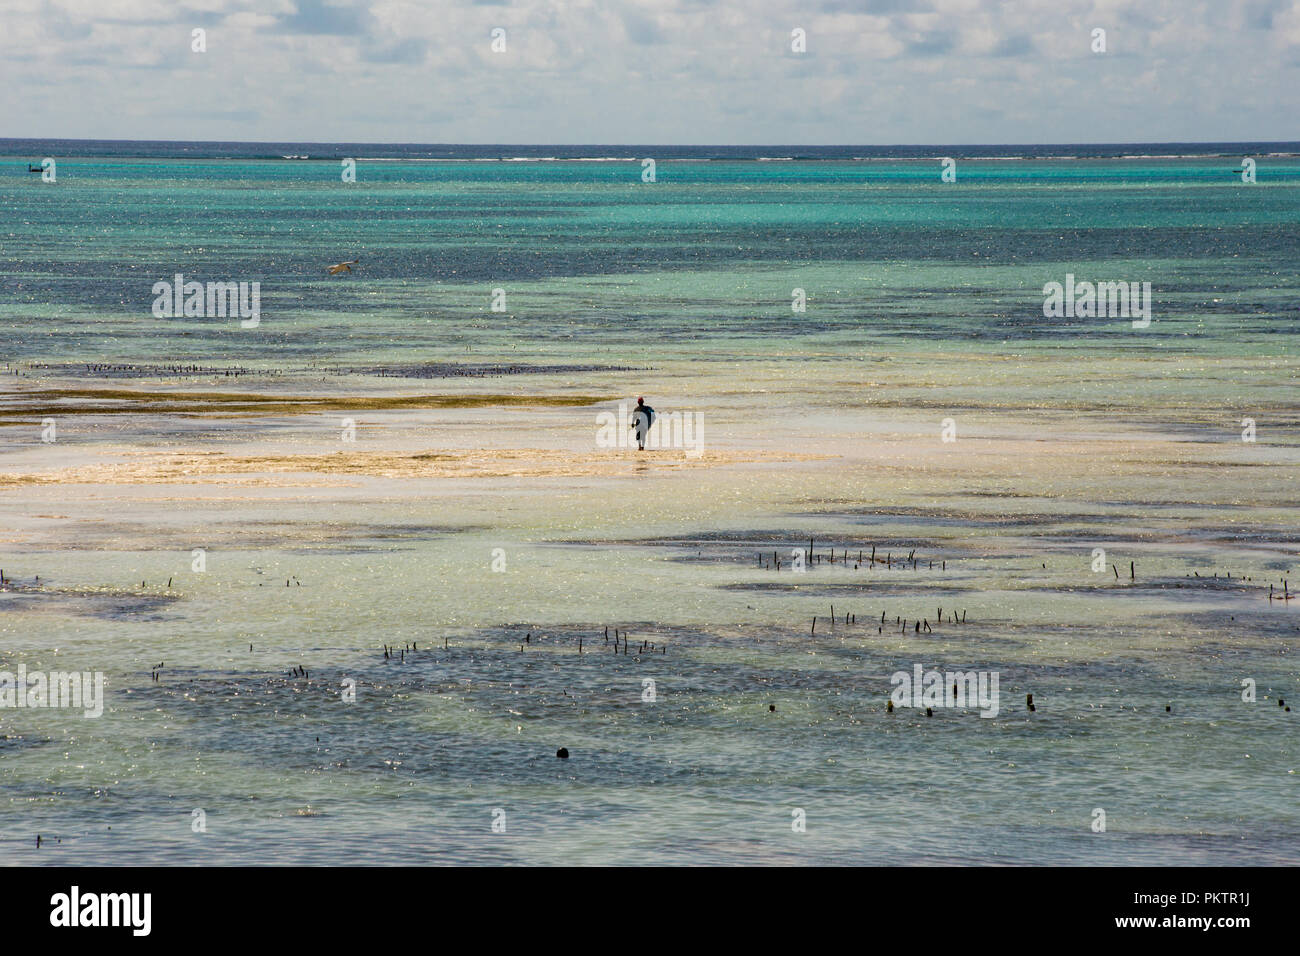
(811, 557)
(918, 624)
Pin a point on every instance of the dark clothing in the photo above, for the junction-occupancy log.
(643, 416)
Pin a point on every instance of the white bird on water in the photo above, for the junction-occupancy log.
(343, 267)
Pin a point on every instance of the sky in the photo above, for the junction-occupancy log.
(653, 71)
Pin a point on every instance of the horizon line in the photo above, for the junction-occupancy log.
(323, 142)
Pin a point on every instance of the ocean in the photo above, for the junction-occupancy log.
(354, 573)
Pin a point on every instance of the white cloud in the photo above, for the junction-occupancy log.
(650, 71)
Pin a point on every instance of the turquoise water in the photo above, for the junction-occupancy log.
(586, 251)
(924, 301)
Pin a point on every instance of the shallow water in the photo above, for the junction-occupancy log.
(924, 303)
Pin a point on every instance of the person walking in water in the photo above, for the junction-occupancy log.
(643, 416)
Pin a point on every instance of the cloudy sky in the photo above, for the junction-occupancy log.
(653, 71)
